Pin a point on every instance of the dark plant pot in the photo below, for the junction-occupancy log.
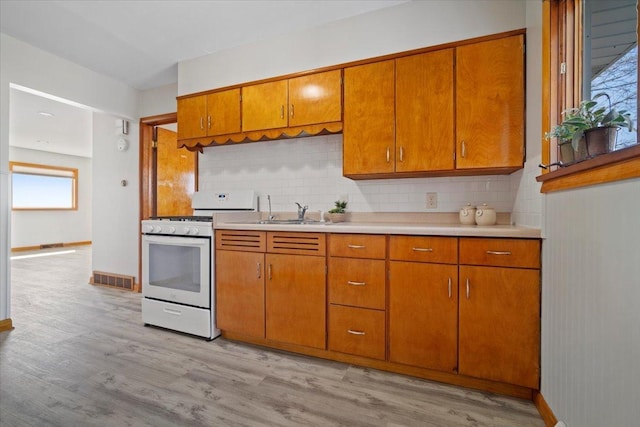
(600, 140)
(568, 156)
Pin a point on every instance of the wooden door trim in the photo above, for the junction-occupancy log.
(146, 176)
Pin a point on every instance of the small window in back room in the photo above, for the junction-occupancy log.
(42, 187)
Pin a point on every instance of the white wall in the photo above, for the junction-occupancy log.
(527, 208)
(25, 65)
(115, 213)
(33, 228)
(160, 100)
(590, 305)
(407, 26)
(309, 171)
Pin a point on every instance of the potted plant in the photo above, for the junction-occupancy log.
(338, 214)
(598, 125)
(568, 151)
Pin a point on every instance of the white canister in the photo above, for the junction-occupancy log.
(485, 215)
(468, 214)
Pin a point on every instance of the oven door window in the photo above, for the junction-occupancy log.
(177, 270)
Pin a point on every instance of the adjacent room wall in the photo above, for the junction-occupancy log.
(115, 210)
(34, 228)
(25, 65)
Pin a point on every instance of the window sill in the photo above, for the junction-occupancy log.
(615, 166)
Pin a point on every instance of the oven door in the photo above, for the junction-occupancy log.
(177, 269)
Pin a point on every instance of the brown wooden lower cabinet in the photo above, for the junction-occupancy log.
(358, 331)
(296, 299)
(423, 315)
(240, 292)
(499, 337)
(460, 310)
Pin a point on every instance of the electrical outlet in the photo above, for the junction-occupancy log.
(432, 200)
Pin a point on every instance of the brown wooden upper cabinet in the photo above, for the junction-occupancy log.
(399, 115)
(208, 115)
(490, 104)
(423, 114)
(311, 99)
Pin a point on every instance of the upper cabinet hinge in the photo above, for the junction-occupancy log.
(563, 68)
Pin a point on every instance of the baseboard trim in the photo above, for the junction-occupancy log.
(50, 245)
(6, 325)
(545, 411)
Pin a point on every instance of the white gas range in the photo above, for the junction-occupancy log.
(178, 285)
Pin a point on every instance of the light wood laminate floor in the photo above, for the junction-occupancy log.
(80, 356)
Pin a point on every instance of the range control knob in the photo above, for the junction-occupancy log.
(156, 228)
(194, 230)
(170, 230)
(186, 230)
(147, 228)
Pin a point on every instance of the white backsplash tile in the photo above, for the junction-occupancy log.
(309, 171)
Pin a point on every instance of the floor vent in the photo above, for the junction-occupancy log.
(113, 280)
(51, 245)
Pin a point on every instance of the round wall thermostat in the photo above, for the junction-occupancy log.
(123, 144)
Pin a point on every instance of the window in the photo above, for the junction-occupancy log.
(41, 187)
(590, 47)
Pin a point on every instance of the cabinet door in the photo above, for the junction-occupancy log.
(369, 119)
(264, 106)
(490, 104)
(316, 98)
(499, 336)
(223, 112)
(423, 315)
(240, 292)
(296, 299)
(424, 112)
(192, 117)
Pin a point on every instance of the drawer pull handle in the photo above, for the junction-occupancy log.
(401, 154)
(463, 150)
(356, 283)
(209, 122)
(258, 270)
(388, 159)
(422, 249)
(352, 332)
(467, 288)
(356, 246)
(201, 122)
(174, 312)
(499, 252)
(449, 287)
(270, 272)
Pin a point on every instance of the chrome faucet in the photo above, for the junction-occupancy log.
(271, 217)
(301, 211)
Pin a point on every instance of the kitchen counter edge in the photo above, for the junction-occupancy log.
(456, 230)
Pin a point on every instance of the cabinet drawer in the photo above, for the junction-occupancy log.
(358, 331)
(357, 246)
(247, 241)
(296, 243)
(442, 250)
(357, 282)
(500, 252)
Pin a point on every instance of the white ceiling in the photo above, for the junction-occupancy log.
(141, 43)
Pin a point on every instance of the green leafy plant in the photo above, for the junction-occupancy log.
(341, 205)
(588, 115)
